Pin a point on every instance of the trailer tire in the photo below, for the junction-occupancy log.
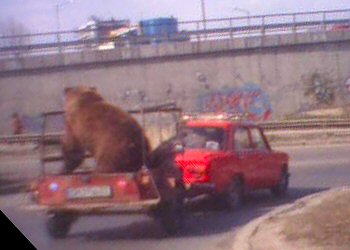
(59, 224)
(172, 214)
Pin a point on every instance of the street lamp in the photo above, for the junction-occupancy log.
(58, 22)
(203, 14)
(247, 12)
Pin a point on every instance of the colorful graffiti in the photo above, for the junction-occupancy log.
(347, 85)
(249, 100)
(321, 87)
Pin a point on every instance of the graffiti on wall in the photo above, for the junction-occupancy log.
(249, 100)
(320, 87)
(324, 90)
(347, 85)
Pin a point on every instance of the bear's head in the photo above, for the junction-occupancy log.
(78, 97)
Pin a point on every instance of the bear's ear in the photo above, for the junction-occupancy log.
(67, 89)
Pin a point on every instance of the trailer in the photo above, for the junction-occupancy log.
(157, 192)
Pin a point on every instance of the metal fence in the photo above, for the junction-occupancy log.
(188, 31)
(307, 124)
(287, 125)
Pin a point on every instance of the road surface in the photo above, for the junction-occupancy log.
(313, 169)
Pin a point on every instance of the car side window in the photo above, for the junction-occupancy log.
(257, 139)
(241, 139)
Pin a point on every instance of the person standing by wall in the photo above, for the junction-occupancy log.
(17, 124)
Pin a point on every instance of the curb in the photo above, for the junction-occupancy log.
(242, 238)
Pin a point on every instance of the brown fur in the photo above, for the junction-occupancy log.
(112, 136)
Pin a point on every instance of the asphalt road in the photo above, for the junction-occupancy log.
(313, 169)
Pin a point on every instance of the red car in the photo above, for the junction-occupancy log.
(226, 157)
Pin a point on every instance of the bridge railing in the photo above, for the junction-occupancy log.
(261, 25)
(193, 31)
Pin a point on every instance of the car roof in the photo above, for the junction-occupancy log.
(218, 123)
(223, 120)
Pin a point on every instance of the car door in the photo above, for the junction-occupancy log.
(242, 149)
(265, 168)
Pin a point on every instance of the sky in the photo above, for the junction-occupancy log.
(40, 15)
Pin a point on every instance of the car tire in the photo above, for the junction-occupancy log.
(281, 188)
(233, 197)
(59, 224)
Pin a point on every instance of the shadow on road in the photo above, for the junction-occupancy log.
(205, 218)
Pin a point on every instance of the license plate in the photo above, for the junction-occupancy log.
(89, 192)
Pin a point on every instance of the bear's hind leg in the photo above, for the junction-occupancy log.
(73, 156)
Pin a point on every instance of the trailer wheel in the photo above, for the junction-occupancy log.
(59, 224)
(172, 214)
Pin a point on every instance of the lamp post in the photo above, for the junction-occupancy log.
(58, 21)
(57, 8)
(204, 15)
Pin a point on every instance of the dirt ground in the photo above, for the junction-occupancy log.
(325, 225)
(318, 223)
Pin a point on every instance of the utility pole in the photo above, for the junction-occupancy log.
(204, 15)
(58, 28)
(58, 22)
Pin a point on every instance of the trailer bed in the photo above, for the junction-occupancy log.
(91, 193)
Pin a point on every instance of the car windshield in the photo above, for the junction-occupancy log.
(202, 138)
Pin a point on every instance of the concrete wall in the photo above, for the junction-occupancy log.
(281, 67)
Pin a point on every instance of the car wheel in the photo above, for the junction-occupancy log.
(281, 188)
(58, 224)
(233, 197)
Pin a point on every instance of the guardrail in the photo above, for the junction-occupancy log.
(306, 124)
(193, 31)
(31, 138)
(268, 126)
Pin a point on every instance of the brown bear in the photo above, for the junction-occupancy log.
(112, 136)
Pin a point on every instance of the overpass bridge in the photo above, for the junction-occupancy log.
(272, 65)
